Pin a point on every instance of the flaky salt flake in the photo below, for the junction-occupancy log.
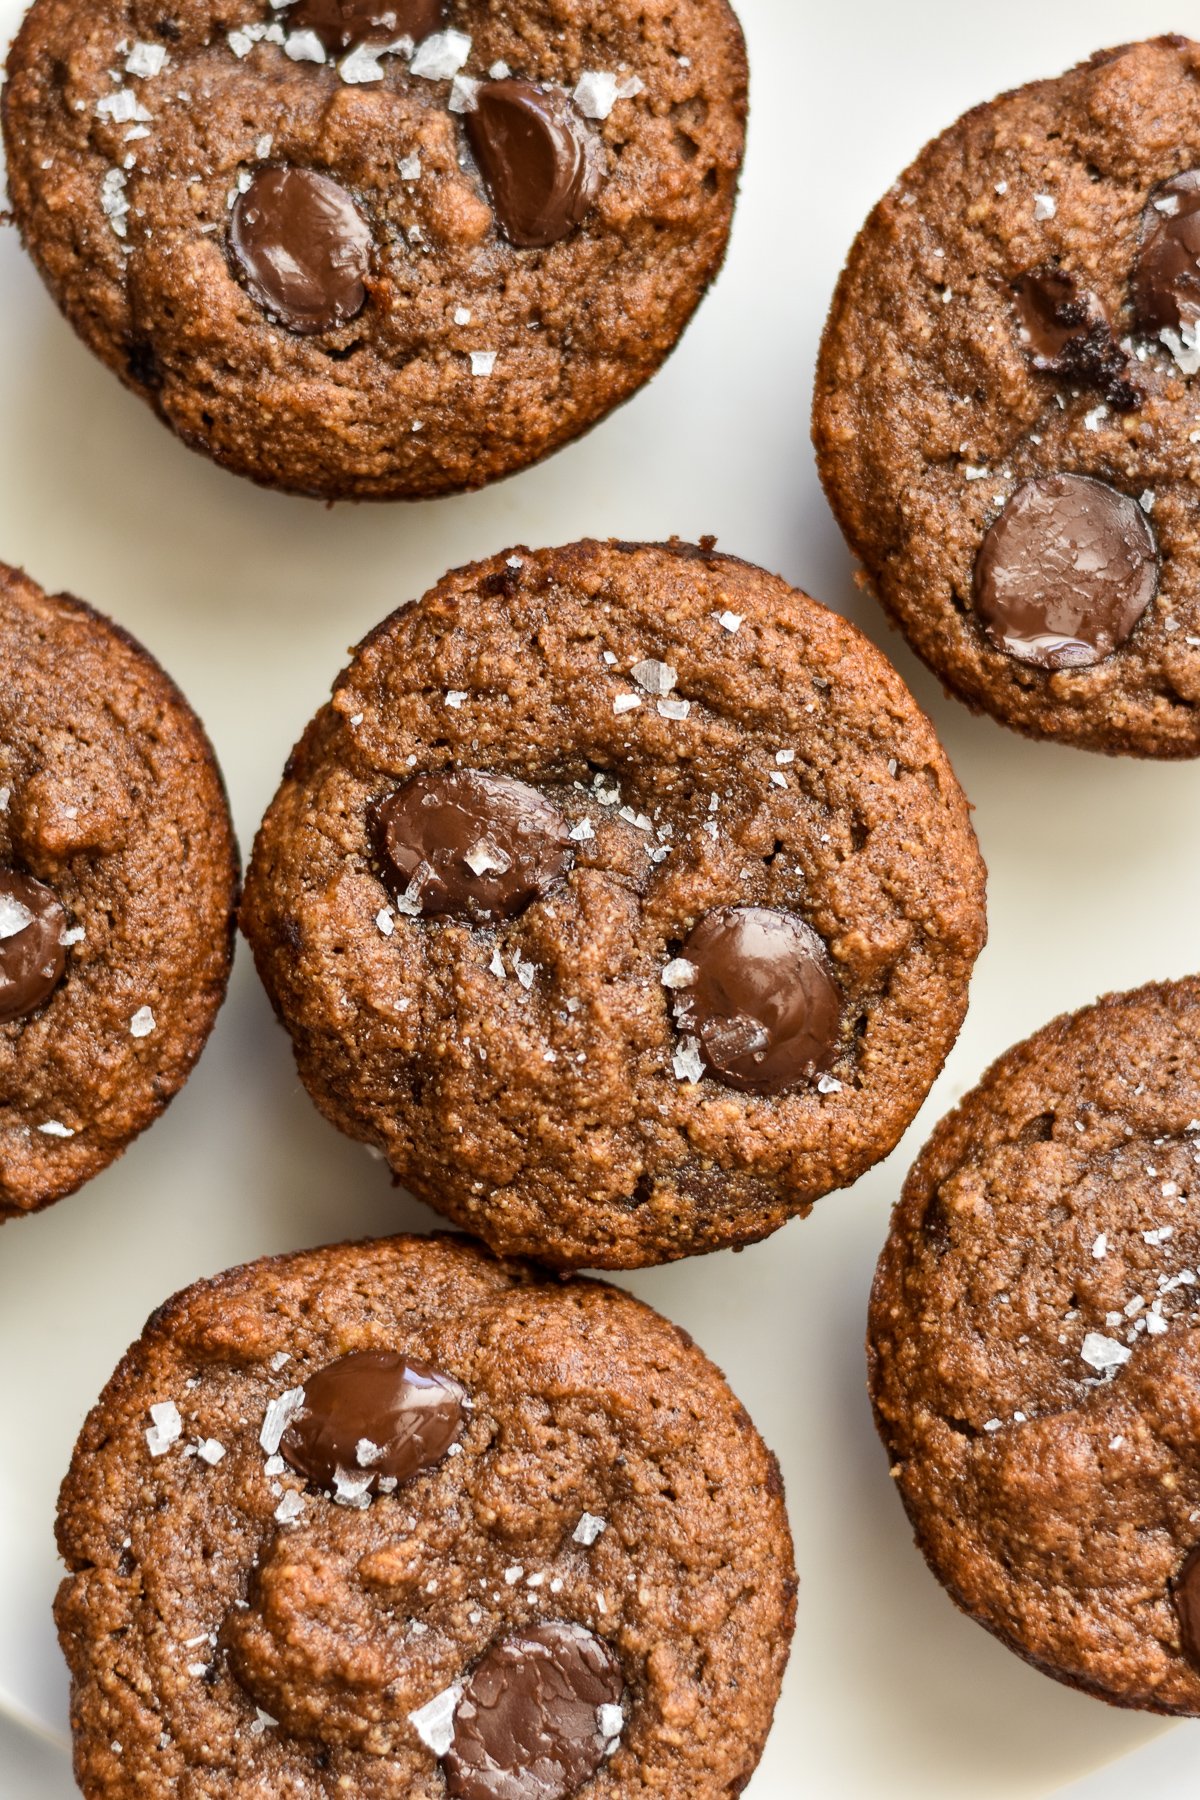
(14, 918)
(1156, 1325)
(1184, 345)
(785, 756)
(122, 108)
(654, 677)
(484, 858)
(626, 703)
(1093, 420)
(1146, 502)
(673, 708)
(145, 60)
(384, 921)
(610, 1722)
(289, 1508)
(301, 46)
(1100, 1247)
(687, 1061)
(441, 56)
(828, 1084)
(679, 973)
(242, 43)
(462, 316)
(483, 362)
(113, 202)
(496, 966)
(514, 562)
(993, 1424)
(279, 1415)
(409, 902)
(142, 1023)
(54, 1128)
(589, 1529)
(351, 1489)
(582, 832)
(455, 698)
(361, 66)
(1159, 1235)
(434, 1722)
(366, 1453)
(262, 148)
(197, 1669)
(410, 167)
(524, 971)
(167, 1427)
(5, 797)
(729, 621)
(1044, 206)
(595, 93)
(629, 86)
(778, 779)
(513, 1575)
(1103, 1353)
(210, 1451)
(464, 90)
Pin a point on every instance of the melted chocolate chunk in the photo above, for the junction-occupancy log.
(301, 249)
(32, 956)
(1186, 1594)
(763, 1003)
(1166, 282)
(471, 845)
(375, 1411)
(1067, 333)
(540, 158)
(342, 24)
(1066, 571)
(530, 1725)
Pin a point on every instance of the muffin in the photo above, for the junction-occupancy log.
(1033, 1350)
(397, 1520)
(623, 897)
(1005, 412)
(380, 250)
(118, 877)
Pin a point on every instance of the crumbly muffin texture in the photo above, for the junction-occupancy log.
(714, 743)
(455, 347)
(114, 824)
(1033, 1349)
(1022, 306)
(234, 1630)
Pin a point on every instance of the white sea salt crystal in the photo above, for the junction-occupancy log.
(827, 1084)
(654, 677)
(410, 167)
(1184, 345)
(409, 902)
(1044, 206)
(1103, 1353)
(280, 1359)
(278, 1416)
(1156, 1325)
(263, 147)
(524, 971)
(301, 46)
(610, 1722)
(145, 60)
(629, 86)
(496, 966)
(352, 1490)
(210, 1451)
(729, 621)
(142, 1023)
(687, 1061)
(441, 56)
(785, 756)
(513, 1575)
(514, 562)
(361, 66)
(462, 316)
(434, 1722)
(589, 1529)
(626, 703)
(53, 1128)
(673, 708)
(166, 1429)
(595, 93)
(242, 43)
(289, 1508)
(384, 921)
(679, 973)
(993, 1424)
(777, 779)
(5, 797)
(483, 362)
(463, 90)
(484, 858)
(14, 918)
(1093, 420)
(1158, 1236)
(122, 108)
(455, 698)
(582, 832)
(1100, 1247)
(113, 203)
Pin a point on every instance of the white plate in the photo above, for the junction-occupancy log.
(251, 601)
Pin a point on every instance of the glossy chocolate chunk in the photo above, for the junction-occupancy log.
(301, 248)
(1066, 571)
(538, 1716)
(763, 1001)
(540, 158)
(1186, 1595)
(342, 24)
(1066, 332)
(373, 1413)
(32, 955)
(471, 845)
(1166, 282)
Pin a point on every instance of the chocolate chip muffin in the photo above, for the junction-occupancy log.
(1034, 1349)
(623, 897)
(118, 873)
(377, 249)
(1006, 417)
(399, 1521)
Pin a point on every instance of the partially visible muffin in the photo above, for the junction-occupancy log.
(623, 897)
(1035, 1349)
(399, 1521)
(1006, 404)
(118, 878)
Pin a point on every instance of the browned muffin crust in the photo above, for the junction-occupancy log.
(342, 1621)
(113, 798)
(527, 1077)
(930, 412)
(385, 404)
(1033, 1348)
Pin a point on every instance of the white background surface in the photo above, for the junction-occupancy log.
(251, 601)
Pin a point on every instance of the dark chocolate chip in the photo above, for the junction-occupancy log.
(1166, 282)
(1066, 571)
(472, 845)
(1186, 1594)
(540, 158)
(32, 955)
(534, 1721)
(342, 24)
(763, 1001)
(1066, 332)
(373, 1412)
(301, 248)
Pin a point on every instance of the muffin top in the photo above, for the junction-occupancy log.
(623, 897)
(399, 1520)
(377, 251)
(1006, 415)
(1034, 1351)
(118, 875)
